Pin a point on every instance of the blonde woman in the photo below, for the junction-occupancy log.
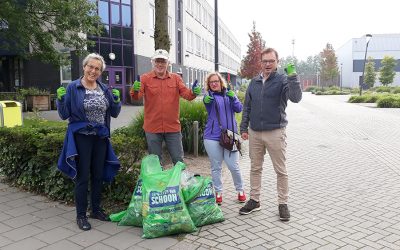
(221, 105)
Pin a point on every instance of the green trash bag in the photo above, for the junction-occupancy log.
(191, 185)
(133, 214)
(164, 210)
(202, 209)
(117, 216)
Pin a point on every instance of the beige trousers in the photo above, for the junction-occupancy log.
(275, 142)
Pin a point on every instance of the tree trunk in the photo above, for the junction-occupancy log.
(161, 37)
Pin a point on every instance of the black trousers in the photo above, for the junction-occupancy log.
(91, 158)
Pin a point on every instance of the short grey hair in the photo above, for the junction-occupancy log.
(95, 56)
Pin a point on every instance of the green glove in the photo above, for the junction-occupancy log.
(231, 94)
(136, 86)
(291, 69)
(208, 99)
(61, 91)
(116, 95)
(196, 89)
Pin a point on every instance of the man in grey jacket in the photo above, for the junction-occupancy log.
(264, 108)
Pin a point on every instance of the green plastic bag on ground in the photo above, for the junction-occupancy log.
(164, 210)
(133, 214)
(202, 209)
(191, 185)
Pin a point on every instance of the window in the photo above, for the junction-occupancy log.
(198, 45)
(189, 41)
(115, 14)
(65, 71)
(179, 10)
(126, 16)
(103, 12)
(189, 5)
(152, 16)
(170, 27)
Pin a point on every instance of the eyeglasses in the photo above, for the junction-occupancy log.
(268, 61)
(91, 67)
(213, 82)
(160, 61)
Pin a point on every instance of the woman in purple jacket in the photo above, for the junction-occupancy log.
(228, 104)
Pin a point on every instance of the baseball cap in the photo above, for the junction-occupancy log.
(161, 53)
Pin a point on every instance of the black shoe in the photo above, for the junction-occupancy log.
(83, 223)
(100, 215)
(284, 214)
(250, 207)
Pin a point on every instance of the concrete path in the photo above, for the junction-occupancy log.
(344, 178)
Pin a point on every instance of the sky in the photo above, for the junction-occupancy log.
(311, 23)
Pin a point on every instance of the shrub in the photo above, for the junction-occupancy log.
(190, 112)
(381, 89)
(29, 154)
(391, 101)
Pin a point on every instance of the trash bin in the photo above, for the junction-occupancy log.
(10, 114)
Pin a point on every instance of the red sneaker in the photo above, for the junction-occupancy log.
(218, 198)
(241, 197)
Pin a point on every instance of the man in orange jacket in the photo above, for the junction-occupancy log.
(161, 91)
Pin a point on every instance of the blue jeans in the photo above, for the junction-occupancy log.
(173, 142)
(92, 155)
(217, 154)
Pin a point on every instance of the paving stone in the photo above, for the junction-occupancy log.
(122, 240)
(21, 220)
(29, 243)
(158, 243)
(54, 235)
(64, 245)
(88, 238)
(22, 232)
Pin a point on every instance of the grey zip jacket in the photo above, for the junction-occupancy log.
(265, 103)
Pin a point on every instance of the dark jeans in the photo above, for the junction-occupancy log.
(173, 142)
(91, 159)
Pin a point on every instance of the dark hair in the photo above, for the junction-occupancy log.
(270, 50)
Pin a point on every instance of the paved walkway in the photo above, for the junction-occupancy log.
(344, 175)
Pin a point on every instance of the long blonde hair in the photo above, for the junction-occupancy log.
(221, 80)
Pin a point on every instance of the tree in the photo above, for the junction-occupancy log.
(39, 28)
(251, 63)
(161, 37)
(329, 68)
(370, 74)
(386, 72)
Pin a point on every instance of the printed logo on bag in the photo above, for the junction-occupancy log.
(207, 193)
(138, 189)
(168, 197)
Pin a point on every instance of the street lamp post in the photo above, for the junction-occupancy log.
(341, 77)
(367, 39)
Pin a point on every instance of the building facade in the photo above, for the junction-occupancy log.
(127, 44)
(351, 57)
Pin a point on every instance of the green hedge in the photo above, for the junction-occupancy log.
(29, 154)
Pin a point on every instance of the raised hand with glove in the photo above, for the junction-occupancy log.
(196, 89)
(136, 86)
(61, 91)
(230, 94)
(208, 99)
(290, 70)
(116, 95)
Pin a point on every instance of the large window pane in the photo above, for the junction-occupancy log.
(105, 31)
(126, 1)
(104, 51)
(128, 56)
(117, 50)
(116, 32)
(103, 12)
(126, 16)
(127, 33)
(115, 14)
